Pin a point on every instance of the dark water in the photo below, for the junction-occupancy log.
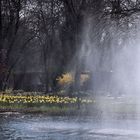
(41, 127)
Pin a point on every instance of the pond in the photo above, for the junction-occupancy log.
(42, 127)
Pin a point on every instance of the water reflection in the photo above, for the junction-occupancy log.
(41, 127)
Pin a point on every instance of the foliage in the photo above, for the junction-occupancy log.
(8, 91)
(65, 79)
(53, 30)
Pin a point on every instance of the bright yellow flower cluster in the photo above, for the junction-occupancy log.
(41, 99)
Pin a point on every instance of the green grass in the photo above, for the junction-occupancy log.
(48, 109)
(107, 105)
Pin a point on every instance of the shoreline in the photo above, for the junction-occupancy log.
(70, 113)
(46, 112)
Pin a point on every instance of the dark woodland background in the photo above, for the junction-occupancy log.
(39, 39)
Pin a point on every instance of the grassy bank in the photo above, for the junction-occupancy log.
(52, 105)
(58, 105)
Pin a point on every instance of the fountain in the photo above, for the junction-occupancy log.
(112, 56)
(110, 51)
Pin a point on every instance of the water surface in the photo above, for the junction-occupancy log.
(42, 127)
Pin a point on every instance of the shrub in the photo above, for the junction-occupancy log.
(84, 78)
(65, 79)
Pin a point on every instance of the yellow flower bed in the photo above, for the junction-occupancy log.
(41, 99)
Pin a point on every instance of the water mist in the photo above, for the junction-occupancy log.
(111, 52)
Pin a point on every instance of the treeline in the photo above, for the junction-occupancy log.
(44, 36)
